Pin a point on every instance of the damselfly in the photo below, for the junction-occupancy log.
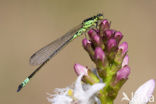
(43, 55)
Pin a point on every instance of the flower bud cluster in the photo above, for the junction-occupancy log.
(110, 57)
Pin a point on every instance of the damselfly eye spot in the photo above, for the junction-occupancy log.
(100, 16)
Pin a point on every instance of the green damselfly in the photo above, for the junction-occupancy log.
(43, 55)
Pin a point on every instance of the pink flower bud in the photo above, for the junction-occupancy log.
(79, 69)
(92, 33)
(125, 61)
(123, 73)
(108, 34)
(85, 41)
(118, 36)
(124, 47)
(96, 38)
(99, 54)
(105, 24)
(111, 44)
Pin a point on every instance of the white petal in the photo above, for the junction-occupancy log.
(125, 61)
(78, 91)
(94, 88)
(60, 99)
(143, 93)
(84, 96)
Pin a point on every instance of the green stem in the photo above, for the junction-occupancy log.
(104, 99)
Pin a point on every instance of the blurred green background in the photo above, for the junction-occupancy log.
(28, 25)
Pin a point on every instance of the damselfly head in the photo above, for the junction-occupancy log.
(100, 16)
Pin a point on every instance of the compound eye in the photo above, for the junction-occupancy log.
(100, 16)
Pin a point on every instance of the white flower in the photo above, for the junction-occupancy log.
(60, 97)
(143, 93)
(80, 94)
